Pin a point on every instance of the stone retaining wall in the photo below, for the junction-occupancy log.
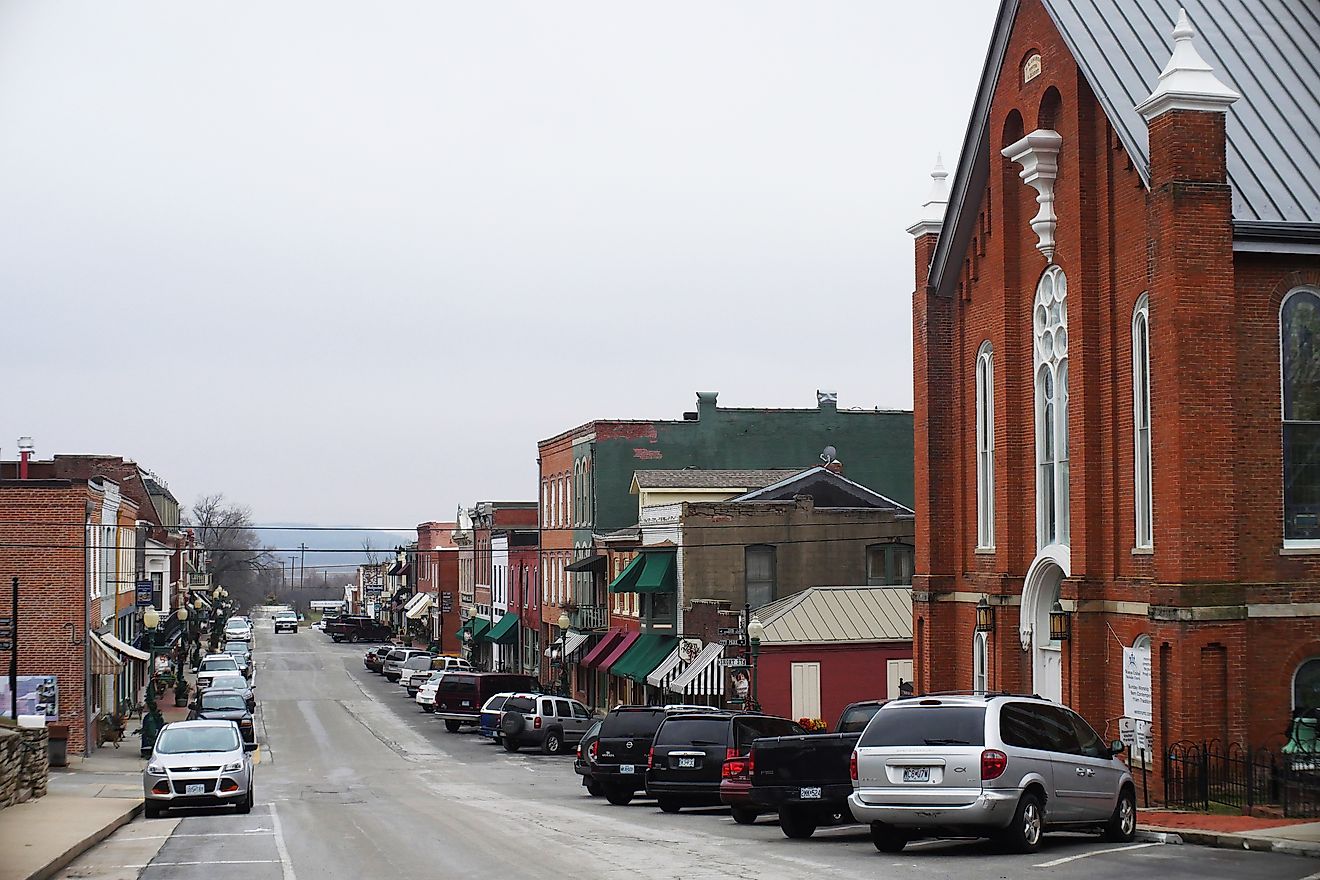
(24, 765)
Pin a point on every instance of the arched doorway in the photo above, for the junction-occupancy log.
(1039, 593)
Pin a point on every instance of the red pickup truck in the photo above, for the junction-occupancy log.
(358, 629)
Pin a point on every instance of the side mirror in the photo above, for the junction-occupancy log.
(1117, 747)
(249, 747)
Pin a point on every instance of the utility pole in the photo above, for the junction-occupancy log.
(303, 547)
(13, 649)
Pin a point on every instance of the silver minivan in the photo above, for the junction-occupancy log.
(998, 766)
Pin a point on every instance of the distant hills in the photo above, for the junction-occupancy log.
(337, 550)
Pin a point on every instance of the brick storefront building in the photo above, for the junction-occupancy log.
(1104, 419)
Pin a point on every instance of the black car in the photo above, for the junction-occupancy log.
(625, 745)
(216, 704)
(242, 656)
(584, 763)
(689, 751)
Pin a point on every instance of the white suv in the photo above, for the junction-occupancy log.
(998, 766)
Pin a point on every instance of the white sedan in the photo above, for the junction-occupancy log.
(426, 693)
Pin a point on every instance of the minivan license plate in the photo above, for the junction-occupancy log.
(626, 768)
(194, 789)
(916, 774)
(687, 762)
(810, 794)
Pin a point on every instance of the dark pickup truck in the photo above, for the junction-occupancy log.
(806, 778)
(358, 629)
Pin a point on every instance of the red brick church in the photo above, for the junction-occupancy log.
(1117, 371)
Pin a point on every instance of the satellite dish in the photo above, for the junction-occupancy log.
(829, 454)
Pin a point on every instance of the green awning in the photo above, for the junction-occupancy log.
(504, 632)
(659, 575)
(651, 571)
(643, 657)
(626, 582)
(475, 625)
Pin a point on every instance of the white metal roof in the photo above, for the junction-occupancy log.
(839, 614)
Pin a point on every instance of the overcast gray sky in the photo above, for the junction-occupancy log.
(348, 261)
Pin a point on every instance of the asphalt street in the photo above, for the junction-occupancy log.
(356, 782)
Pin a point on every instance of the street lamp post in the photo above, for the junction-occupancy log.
(564, 623)
(755, 631)
(195, 632)
(152, 721)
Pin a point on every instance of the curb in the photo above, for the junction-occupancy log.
(63, 860)
(1239, 841)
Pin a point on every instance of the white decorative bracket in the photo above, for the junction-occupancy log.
(1187, 81)
(1038, 154)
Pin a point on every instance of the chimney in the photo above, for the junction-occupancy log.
(25, 450)
(827, 400)
(835, 467)
(706, 399)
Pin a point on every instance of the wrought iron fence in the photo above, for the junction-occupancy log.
(1199, 775)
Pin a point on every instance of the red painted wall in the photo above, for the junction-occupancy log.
(848, 673)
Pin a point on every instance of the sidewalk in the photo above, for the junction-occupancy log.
(86, 803)
(1293, 836)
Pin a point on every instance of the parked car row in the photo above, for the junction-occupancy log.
(1001, 766)
(205, 761)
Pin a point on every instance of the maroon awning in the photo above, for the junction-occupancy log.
(603, 647)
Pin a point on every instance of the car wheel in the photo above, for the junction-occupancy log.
(798, 824)
(152, 811)
(620, 797)
(668, 805)
(887, 838)
(744, 816)
(1023, 834)
(510, 745)
(451, 725)
(352, 638)
(594, 789)
(554, 743)
(335, 639)
(245, 805)
(1122, 826)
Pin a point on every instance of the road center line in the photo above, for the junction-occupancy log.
(286, 864)
(1095, 852)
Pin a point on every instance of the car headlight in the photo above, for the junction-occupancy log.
(156, 769)
(232, 768)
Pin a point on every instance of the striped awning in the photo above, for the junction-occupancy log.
(669, 667)
(104, 661)
(124, 648)
(704, 676)
(417, 606)
(575, 641)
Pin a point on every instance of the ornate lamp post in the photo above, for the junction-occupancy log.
(985, 616)
(152, 721)
(755, 632)
(564, 623)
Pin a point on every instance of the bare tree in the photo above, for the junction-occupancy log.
(238, 560)
(369, 551)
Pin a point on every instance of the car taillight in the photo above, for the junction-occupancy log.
(595, 748)
(650, 758)
(751, 764)
(730, 754)
(852, 767)
(537, 723)
(993, 763)
(734, 769)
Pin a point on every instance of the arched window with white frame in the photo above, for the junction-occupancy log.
(1299, 343)
(1050, 331)
(1142, 486)
(985, 447)
(980, 663)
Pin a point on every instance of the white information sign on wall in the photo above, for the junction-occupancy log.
(1136, 684)
(1138, 736)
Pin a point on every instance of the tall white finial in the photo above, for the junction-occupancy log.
(932, 211)
(1187, 81)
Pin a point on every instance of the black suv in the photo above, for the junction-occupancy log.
(689, 751)
(619, 765)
